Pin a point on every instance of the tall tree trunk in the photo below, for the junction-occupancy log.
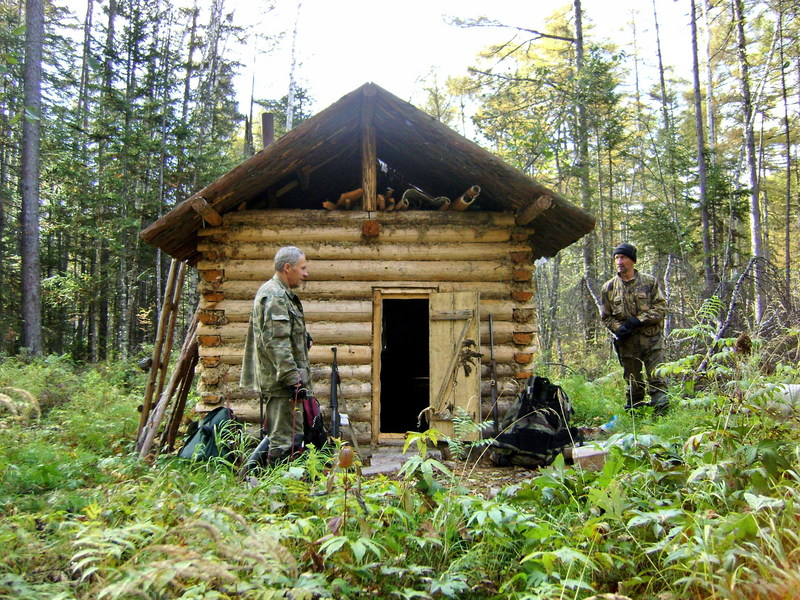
(750, 150)
(99, 317)
(711, 140)
(670, 188)
(29, 181)
(701, 160)
(787, 233)
(582, 167)
(7, 133)
(292, 74)
(711, 119)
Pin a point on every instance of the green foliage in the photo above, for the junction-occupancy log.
(696, 504)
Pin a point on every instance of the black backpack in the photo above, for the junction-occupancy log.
(214, 436)
(536, 427)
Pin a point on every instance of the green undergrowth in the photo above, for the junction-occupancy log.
(701, 503)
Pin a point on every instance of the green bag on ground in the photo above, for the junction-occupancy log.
(215, 436)
(535, 429)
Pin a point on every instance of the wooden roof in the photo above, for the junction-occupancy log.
(321, 158)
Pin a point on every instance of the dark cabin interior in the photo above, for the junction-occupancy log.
(404, 365)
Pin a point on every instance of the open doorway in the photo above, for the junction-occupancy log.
(405, 367)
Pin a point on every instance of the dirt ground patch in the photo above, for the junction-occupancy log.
(487, 480)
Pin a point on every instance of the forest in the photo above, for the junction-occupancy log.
(137, 110)
(112, 116)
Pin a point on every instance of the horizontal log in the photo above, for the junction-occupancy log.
(327, 334)
(507, 388)
(518, 253)
(358, 409)
(322, 218)
(350, 391)
(315, 310)
(344, 310)
(358, 374)
(502, 408)
(320, 374)
(249, 411)
(358, 412)
(347, 354)
(503, 370)
(351, 394)
(523, 296)
(351, 232)
(355, 355)
(380, 270)
(504, 354)
(360, 290)
(324, 334)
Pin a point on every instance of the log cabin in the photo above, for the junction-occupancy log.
(421, 249)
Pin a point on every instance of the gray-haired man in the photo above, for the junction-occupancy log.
(275, 359)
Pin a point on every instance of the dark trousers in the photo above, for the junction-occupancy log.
(634, 369)
(284, 426)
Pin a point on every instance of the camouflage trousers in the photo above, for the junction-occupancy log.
(633, 370)
(284, 426)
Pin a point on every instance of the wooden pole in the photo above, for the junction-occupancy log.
(156, 362)
(369, 152)
(147, 435)
(180, 405)
(173, 318)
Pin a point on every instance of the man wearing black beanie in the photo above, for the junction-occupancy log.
(633, 310)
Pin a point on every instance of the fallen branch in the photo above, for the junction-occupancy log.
(731, 307)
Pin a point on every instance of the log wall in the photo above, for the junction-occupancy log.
(424, 250)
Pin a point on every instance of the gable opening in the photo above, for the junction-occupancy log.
(405, 368)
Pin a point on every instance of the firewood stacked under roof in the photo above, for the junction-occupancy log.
(412, 199)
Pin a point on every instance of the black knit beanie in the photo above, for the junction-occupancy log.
(625, 249)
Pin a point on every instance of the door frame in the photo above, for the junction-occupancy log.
(379, 294)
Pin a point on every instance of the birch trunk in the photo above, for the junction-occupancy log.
(701, 160)
(787, 152)
(582, 168)
(756, 233)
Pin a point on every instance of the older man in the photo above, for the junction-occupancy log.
(275, 359)
(633, 310)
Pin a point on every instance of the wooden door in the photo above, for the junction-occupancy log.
(455, 364)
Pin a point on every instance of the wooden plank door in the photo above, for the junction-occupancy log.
(455, 368)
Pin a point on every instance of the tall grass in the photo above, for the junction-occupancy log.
(698, 504)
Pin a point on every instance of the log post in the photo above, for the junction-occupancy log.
(369, 153)
(267, 129)
(533, 210)
(205, 210)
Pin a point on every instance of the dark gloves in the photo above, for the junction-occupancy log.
(298, 392)
(625, 330)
